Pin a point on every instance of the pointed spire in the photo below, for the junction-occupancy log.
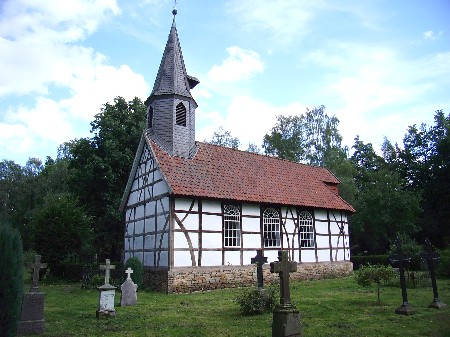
(172, 77)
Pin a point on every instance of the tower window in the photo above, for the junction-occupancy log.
(180, 115)
(150, 117)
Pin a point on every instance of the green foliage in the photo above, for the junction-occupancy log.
(99, 168)
(11, 282)
(61, 227)
(307, 138)
(373, 273)
(138, 270)
(254, 301)
(384, 206)
(424, 164)
(368, 274)
(223, 137)
(443, 266)
(360, 260)
(97, 281)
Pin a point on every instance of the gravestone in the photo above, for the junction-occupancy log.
(401, 259)
(431, 258)
(128, 290)
(286, 317)
(260, 260)
(32, 316)
(106, 294)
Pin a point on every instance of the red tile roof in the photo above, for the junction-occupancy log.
(224, 173)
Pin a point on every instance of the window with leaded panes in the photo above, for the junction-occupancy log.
(231, 226)
(271, 228)
(306, 224)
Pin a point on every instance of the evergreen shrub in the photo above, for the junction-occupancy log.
(11, 282)
(253, 301)
(138, 270)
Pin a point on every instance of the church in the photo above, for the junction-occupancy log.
(196, 213)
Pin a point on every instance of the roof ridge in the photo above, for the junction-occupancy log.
(263, 155)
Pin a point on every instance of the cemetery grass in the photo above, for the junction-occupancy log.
(336, 307)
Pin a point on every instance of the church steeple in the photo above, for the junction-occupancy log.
(170, 106)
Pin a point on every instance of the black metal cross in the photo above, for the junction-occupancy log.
(432, 257)
(260, 260)
(283, 268)
(36, 266)
(401, 259)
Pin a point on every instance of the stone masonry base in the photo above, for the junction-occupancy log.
(190, 279)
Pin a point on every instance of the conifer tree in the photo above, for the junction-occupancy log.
(11, 282)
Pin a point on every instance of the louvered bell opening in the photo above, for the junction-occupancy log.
(180, 115)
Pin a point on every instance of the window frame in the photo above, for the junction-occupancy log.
(180, 114)
(306, 229)
(271, 233)
(232, 226)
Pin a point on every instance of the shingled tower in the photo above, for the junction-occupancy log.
(170, 106)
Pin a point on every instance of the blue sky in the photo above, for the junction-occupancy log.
(379, 66)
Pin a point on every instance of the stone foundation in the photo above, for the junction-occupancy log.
(190, 279)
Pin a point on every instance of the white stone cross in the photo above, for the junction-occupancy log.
(129, 271)
(107, 268)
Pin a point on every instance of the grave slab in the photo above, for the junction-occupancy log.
(128, 295)
(32, 315)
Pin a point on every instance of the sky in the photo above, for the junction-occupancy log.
(378, 66)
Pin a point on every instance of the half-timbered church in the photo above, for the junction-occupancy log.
(196, 213)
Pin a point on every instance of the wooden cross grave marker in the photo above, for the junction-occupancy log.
(107, 267)
(36, 266)
(129, 271)
(432, 257)
(283, 267)
(260, 260)
(401, 259)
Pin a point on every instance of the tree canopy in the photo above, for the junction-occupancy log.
(404, 189)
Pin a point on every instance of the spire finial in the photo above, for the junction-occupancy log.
(174, 10)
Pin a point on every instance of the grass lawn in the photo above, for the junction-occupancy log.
(337, 307)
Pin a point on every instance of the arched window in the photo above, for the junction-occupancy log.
(150, 117)
(305, 221)
(271, 226)
(180, 115)
(231, 226)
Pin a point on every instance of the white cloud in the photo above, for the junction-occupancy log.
(247, 118)
(430, 35)
(377, 91)
(42, 54)
(240, 64)
(283, 20)
(38, 42)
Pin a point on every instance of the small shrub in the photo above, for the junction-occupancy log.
(378, 273)
(11, 280)
(138, 270)
(97, 281)
(253, 301)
